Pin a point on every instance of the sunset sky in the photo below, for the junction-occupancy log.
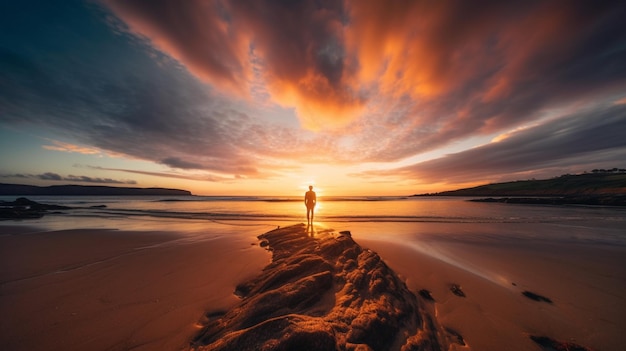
(266, 97)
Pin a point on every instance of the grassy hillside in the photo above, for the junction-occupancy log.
(28, 190)
(606, 183)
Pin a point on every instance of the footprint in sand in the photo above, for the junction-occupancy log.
(549, 344)
(536, 297)
(456, 290)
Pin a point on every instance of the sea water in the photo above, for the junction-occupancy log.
(389, 218)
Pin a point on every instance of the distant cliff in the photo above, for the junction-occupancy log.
(23, 190)
(592, 184)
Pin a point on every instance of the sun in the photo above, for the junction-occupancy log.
(304, 186)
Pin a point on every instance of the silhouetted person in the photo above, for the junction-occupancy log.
(310, 199)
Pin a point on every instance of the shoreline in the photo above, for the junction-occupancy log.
(609, 200)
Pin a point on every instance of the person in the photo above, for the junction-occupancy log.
(310, 200)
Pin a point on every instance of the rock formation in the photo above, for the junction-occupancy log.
(322, 293)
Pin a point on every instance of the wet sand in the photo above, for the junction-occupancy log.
(568, 292)
(114, 290)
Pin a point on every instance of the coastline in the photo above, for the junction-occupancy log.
(618, 200)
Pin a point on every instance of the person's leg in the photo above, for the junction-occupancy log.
(308, 214)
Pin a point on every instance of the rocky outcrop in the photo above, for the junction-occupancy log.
(590, 200)
(321, 293)
(23, 208)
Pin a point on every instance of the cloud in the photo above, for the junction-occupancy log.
(206, 177)
(51, 176)
(569, 143)
(301, 48)
(196, 85)
(139, 104)
(67, 147)
(175, 162)
(198, 34)
(295, 49)
(86, 179)
(327, 58)
(448, 71)
(420, 73)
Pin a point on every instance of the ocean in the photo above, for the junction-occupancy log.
(443, 218)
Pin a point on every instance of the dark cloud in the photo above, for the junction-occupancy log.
(195, 33)
(86, 179)
(565, 144)
(15, 175)
(51, 176)
(209, 178)
(111, 91)
(175, 162)
(295, 37)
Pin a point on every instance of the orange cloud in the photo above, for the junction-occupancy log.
(67, 147)
(304, 62)
(296, 49)
(465, 67)
(540, 38)
(196, 33)
(318, 104)
(408, 47)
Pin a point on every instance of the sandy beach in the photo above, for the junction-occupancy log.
(585, 288)
(115, 290)
(156, 290)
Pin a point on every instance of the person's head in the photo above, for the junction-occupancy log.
(310, 187)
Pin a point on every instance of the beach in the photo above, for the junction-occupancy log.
(154, 283)
(583, 289)
(95, 289)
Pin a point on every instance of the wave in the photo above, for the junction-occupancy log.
(281, 199)
(260, 217)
